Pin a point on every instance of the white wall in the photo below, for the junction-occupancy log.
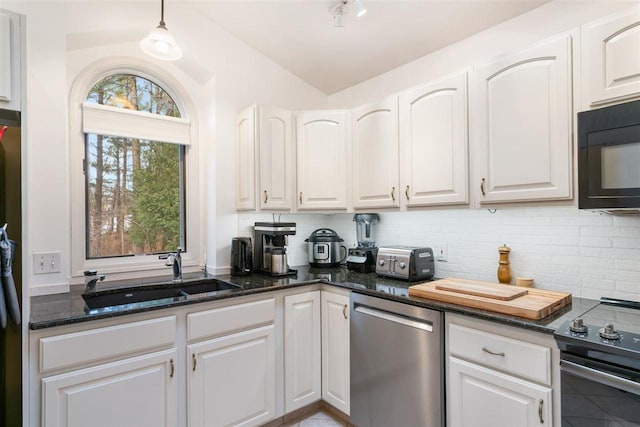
(220, 73)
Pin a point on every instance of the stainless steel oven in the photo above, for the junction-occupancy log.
(608, 157)
(600, 367)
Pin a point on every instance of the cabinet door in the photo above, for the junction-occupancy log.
(322, 150)
(301, 350)
(136, 392)
(246, 159)
(434, 143)
(524, 125)
(611, 58)
(10, 54)
(478, 397)
(336, 387)
(276, 159)
(232, 379)
(375, 155)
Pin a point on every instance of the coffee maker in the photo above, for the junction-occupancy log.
(271, 239)
(362, 258)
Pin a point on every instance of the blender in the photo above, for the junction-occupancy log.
(362, 258)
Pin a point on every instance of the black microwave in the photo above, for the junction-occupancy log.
(609, 157)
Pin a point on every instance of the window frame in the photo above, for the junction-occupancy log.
(139, 265)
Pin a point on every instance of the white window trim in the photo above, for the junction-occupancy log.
(140, 265)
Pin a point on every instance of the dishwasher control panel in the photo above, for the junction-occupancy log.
(405, 262)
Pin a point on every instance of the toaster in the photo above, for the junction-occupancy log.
(405, 262)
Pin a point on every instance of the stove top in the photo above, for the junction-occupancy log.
(609, 332)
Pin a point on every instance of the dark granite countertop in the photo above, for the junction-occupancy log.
(68, 308)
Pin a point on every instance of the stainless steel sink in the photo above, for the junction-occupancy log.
(154, 293)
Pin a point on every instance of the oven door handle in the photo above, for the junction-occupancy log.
(600, 377)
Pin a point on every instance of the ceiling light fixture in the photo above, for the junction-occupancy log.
(339, 10)
(160, 43)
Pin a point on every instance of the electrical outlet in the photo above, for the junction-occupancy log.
(441, 253)
(46, 263)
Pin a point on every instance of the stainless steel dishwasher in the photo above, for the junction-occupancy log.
(397, 368)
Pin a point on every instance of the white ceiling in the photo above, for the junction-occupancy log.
(300, 35)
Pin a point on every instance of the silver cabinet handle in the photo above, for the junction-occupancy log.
(482, 187)
(540, 411)
(406, 192)
(393, 194)
(193, 358)
(396, 318)
(344, 311)
(486, 350)
(172, 368)
(266, 197)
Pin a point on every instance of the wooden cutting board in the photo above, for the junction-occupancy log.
(529, 303)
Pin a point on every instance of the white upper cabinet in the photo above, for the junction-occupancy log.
(246, 159)
(611, 58)
(277, 179)
(523, 125)
(10, 54)
(434, 144)
(322, 152)
(374, 130)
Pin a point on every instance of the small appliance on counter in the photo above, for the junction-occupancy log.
(324, 248)
(405, 262)
(362, 258)
(270, 254)
(241, 256)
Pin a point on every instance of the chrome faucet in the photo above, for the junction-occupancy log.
(173, 259)
(91, 277)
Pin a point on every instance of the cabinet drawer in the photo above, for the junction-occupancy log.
(104, 343)
(229, 319)
(521, 358)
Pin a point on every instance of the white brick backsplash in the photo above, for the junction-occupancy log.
(583, 252)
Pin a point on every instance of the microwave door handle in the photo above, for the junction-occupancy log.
(600, 377)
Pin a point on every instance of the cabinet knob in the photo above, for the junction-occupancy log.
(344, 311)
(393, 194)
(172, 368)
(482, 187)
(494, 353)
(406, 192)
(193, 359)
(266, 197)
(301, 197)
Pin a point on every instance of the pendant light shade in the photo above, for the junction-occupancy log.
(160, 43)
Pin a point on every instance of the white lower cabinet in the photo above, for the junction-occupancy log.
(232, 379)
(479, 396)
(336, 388)
(136, 392)
(302, 350)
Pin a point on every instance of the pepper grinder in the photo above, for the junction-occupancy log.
(504, 269)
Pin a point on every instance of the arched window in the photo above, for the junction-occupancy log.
(135, 142)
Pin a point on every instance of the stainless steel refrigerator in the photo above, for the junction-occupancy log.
(11, 214)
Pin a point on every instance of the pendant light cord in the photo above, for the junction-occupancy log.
(162, 24)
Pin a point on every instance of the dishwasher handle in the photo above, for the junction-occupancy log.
(394, 317)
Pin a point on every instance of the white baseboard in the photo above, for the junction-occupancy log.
(221, 270)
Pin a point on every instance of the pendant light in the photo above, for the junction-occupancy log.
(160, 43)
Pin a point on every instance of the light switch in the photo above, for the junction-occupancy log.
(46, 262)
